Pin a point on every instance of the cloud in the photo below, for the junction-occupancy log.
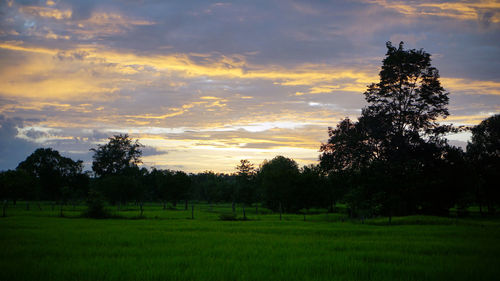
(13, 150)
(213, 83)
(46, 12)
(488, 10)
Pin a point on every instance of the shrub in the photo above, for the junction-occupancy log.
(228, 217)
(95, 206)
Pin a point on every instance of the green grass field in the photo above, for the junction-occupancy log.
(168, 245)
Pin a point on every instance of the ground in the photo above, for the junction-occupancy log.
(169, 245)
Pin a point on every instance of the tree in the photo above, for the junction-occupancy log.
(347, 148)
(406, 103)
(17, 184)
(181, 188)
(484, 152)
(279, 179)
(312, 189)
(52, 171)
(116, 156)
(246, 191)
(396, 135)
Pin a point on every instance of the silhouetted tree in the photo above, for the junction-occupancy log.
(405, 104)
(246, 190)
(484, 152)
(16, 185)
(394, 138)
(312, 188)
(180, 187)
(279, 179)
(116, 156)
(52, 171)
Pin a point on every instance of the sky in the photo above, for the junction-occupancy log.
(203, 84)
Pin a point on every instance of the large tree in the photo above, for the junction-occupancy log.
(403, 108)
(397, 134)
(483, 151)
(116, 156)
(52, 171)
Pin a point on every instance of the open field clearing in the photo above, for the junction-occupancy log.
(168, 245)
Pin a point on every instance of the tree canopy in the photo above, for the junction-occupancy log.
(116, 156)
(396, 138)
(51, 170)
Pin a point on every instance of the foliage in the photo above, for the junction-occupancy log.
(115, 157)
(408, 99)
(95, 206)
(246, 191)
(396, 142)
(17, 184)
(484, 153)
(279, 179)
(228, 217)
(52, 171)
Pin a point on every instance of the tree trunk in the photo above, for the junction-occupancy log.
(244, 214)
(4, 207)
(164, 205)
(233, 205)
(280, 211)
(257, 208)
(192, 211)
(39, 206)
(142, 210)
(185, 205)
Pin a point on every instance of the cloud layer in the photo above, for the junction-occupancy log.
(204, 84)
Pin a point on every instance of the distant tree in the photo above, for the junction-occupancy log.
(123, 187)
(279, 179)
(484, 152)
(179, 189)
(162, 179)
(312, 188)
(16, 185)
(52, 171)
(116, 156)
(246, 191)
(208, 186)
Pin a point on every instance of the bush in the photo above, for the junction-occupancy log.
(95, 206)
(228, 217)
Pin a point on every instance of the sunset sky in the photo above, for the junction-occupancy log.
(204, 84)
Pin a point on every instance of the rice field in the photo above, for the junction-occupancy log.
(168, 245)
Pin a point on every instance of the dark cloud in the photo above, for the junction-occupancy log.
(264, 145)
(13, 150)
(150, 151)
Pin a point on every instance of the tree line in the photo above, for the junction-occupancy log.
(394, 160)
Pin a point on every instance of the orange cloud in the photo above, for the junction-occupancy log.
(470, 86)
(46, 12)
(462, 10)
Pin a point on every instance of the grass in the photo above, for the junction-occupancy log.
(168, 245)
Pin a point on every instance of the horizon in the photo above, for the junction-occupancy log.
(203, 85)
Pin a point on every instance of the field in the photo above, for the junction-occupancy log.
(168, 245)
